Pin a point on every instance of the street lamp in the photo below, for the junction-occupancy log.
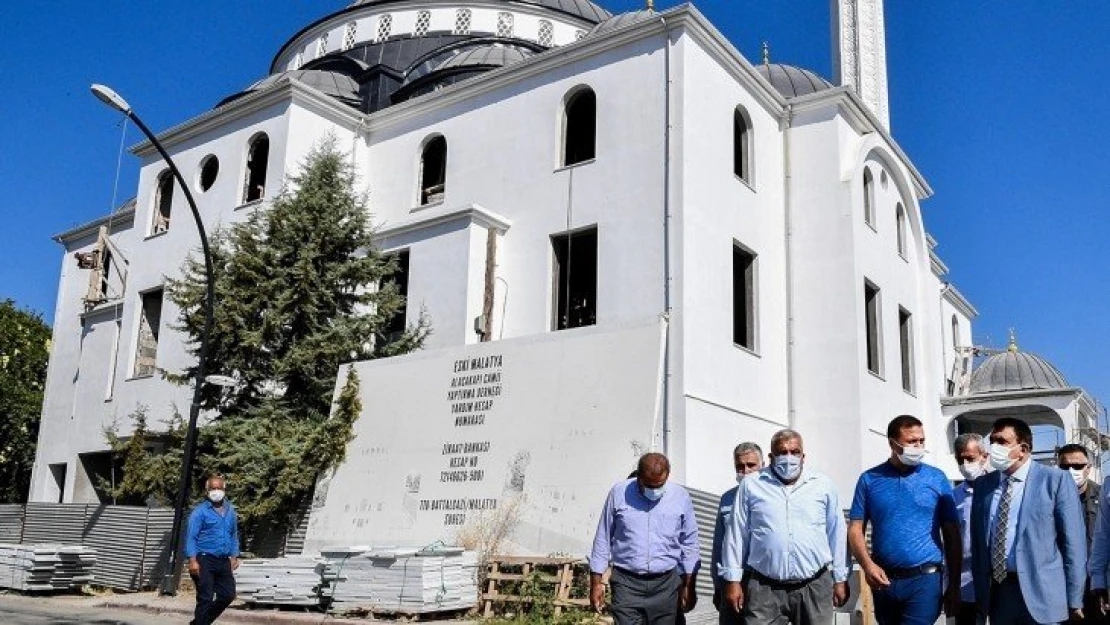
(172, 576)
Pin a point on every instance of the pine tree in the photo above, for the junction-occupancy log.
(301, 289)
(24, 352)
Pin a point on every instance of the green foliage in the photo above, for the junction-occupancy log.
(301, 289)
(24, 353)
(151, 460)
(538, 606)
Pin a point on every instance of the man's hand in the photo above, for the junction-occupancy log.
(234, 563)
(876, 576)
(952, 599)
(687, 598)
(194, 567)
(841, 592)
(597, 593)
(734, 597)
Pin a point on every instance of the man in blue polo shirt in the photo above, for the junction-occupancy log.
(910, 508)
(212, 546)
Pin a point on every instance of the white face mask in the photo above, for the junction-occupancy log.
(971, 470)
(1000, 457)
(1077, 475)
(788, 467)
(911, 455)
(215, 496)
(654, 494)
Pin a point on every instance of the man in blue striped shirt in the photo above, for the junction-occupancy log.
(747, 459)
(785, 542)
(212, 546)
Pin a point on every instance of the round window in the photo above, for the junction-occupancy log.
(209, 169)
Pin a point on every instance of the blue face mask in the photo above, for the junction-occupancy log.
(654, 494)
(787, 467)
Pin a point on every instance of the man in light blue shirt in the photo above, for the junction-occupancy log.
(971, 455)
(747, 459)
(648, 533)
(786, 542)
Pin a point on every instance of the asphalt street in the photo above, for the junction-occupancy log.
(22, 612)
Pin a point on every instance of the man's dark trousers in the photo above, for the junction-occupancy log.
(215, 588)
(644, 599)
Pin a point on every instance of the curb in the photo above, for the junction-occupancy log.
(231, 614)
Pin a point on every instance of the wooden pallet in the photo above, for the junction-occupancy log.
(559, 573)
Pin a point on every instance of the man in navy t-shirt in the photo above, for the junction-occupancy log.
(910, 509)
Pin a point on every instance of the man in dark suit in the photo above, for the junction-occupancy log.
(1029, 548)
(1076, 460)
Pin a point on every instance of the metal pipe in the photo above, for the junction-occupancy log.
(666, 236)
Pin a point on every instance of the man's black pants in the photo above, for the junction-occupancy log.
(215, 588)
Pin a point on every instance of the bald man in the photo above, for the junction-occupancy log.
(648, 534)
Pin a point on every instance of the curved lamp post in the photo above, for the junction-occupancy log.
(172, 576)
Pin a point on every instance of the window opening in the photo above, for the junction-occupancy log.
(58, 472)
(741, 146)
(575, 256)
(209, 170)
(868, 198)
(322, 45)
(423, 19)
(462, 22)
(385, 25)
(905, 339)
(150, 318)
(872, 306)
(349, 35)
(580, 127)
(547, 32)
(900, 220)
(163, 203)
(433, 171)
(395, 328)
(258, 157)
(504, 24)
(743, 297)
(955, 332)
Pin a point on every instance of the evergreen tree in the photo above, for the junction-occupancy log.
(300, 290)
(24, 353)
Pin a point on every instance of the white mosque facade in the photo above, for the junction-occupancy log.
(693, 246)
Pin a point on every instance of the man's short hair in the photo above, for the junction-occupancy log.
(747, 447)
(215, 476)
(899, 423)
(963, 440)
(1072, 448)
(782, 436)
(653, 463)
(1021, 429)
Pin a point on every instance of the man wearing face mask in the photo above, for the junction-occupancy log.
(747, 459)
(1074, 459)
(1028, 551)
(648, 533)
(910, 508)
(784, 553)
(212, 547)
(971, 454)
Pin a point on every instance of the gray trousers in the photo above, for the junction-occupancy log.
(799, 604)
(644, 599)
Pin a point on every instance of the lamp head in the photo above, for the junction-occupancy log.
(220, 380)
(111, 98)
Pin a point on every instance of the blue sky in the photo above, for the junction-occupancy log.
(1001, 105)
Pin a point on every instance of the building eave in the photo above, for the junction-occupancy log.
(439, 215)
(953, 296)
(863, 121)
(986, 398)
(939, 268)
(89, 228)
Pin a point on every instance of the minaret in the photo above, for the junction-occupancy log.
(859, 52)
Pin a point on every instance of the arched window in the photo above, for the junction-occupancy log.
(868, 198)
(433, 171)
(163, 202)
(462, 21)
(955, 332)
(742, 145)
(580, 127)
(900, 217)
(258, 159)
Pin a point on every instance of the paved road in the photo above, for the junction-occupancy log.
(23, 612)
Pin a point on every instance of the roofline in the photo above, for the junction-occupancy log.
(957, 299)
(91, 227)
(355, 8)
(939, 268)
(863, 120)
(1004, 395)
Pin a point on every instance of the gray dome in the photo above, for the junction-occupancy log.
(792, 81)
(482, 55)
(334, 84)
(579, 8)
(1013, 370)
(623, 19)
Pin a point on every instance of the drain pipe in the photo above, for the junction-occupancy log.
(666, 236)
(788, 263)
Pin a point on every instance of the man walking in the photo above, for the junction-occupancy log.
(785, 542)
(1075, 459)
(212, 546)
(909, 506)
(648, 533)
(1028, 551)
(971, 454)
(747, 459)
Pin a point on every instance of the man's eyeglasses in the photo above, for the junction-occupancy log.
(1068, 466)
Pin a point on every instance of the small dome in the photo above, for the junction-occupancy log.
(792, 81)
(335, 84)
(1014, 370)
(623, 19)
(471, 55)
(579, 8)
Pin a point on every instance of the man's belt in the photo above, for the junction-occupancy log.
(786, 583)
(625, 571)
(911, 571)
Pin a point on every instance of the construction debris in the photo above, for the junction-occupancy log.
(400, 581)
(291, 581)
(45, 567)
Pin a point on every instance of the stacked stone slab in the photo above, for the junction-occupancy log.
(402, 581)
(45, 567)
(292, 581)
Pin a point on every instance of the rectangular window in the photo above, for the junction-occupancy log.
(58, 487)
(150, 320)
(575, 273)
(743, 297)
(905, 340)
(395, 328)
(113, 361)
(873, 319)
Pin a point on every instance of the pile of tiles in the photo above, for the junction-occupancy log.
(290, 581)
(45, 567)
(398, 580)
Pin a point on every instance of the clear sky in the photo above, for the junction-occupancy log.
(1001, 105)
